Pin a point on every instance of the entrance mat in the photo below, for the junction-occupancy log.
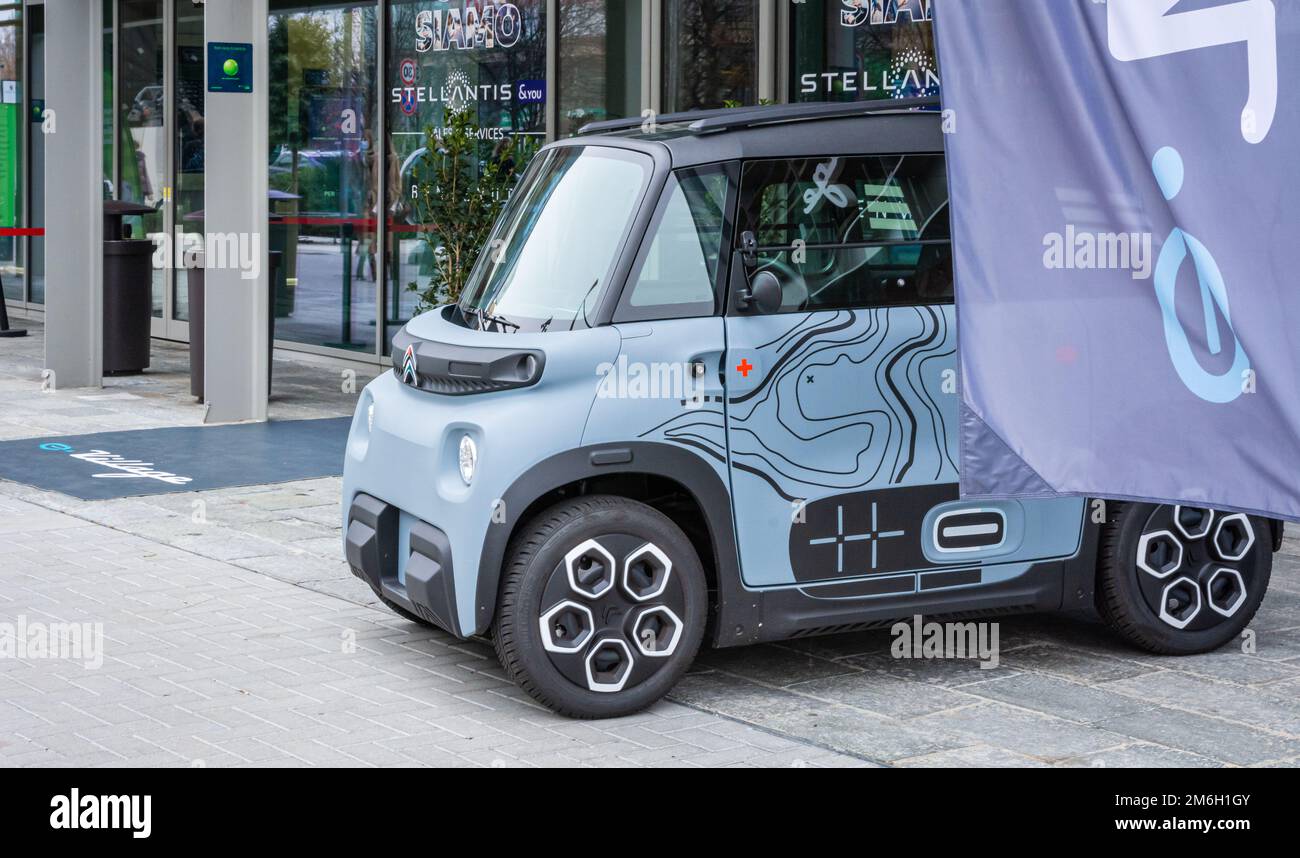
(180, 459)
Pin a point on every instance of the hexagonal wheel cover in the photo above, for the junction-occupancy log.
(646, 572)
(657, 631)
(1193, 522)
(1233, 537)
(567, 627)
(1233, 595)
(608, 674)
(1160, 553)
(1185, 613)
(591, 569)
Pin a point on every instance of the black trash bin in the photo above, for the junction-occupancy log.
(196, 287)
(5, 330)
(128, 292)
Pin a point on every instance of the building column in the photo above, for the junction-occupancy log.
(768, 50)
(74, 193)
(236, 308)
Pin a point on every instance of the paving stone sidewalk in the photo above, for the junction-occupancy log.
(235, 635)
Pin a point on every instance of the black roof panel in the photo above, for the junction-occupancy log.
(777, 131)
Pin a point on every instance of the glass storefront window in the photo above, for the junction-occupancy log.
(710, 53)
(483, 54)
(142, 142)
(36, 176)
(848, 50)
(323, 173)
(599, 61)
(12, 129)
(187, 137)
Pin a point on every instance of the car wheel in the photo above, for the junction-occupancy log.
(602, 607)
(1182, 579)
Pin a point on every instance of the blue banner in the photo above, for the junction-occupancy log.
(1126, 229)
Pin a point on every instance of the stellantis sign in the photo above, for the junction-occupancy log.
(1125, 207)
(496, 25)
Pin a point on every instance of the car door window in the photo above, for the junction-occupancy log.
(851, 232)
(677, 271)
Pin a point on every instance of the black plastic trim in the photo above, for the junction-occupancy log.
(797, 612)
(371, 547)
(458, 370)
(430, 584)
(612, 456)
(745, 616)
(664, 460)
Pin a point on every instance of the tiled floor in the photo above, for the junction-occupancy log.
(235, 635)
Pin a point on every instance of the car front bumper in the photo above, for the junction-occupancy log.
(426, 586)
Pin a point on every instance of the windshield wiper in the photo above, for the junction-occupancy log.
(485, 317)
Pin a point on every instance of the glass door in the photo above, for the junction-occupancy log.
(13, 269)
(159, 108)
(142, 128)
(323, 172)
(187, 155)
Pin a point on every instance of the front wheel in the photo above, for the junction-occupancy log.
(1182, 579)
(602, 607)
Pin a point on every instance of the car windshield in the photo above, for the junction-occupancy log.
(550, 254)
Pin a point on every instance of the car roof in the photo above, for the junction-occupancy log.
(780, 131)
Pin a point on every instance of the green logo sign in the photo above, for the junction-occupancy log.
(230, 67)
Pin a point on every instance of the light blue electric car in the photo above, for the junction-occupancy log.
(702, 384)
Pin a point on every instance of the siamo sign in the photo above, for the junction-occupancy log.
(490, 25)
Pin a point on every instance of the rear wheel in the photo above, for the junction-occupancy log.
(1182, 579)
(602, 607)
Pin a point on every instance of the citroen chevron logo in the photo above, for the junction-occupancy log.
(410, 366)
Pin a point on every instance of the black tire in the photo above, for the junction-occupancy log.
(536, 580)
(1131, 599)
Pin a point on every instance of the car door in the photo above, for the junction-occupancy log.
(842, 406)
(664, 386)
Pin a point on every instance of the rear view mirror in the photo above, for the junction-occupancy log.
(763, 294)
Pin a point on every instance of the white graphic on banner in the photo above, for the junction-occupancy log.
(1141, 29)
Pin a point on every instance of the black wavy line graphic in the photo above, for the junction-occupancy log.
(907, 348)
(919, 359)
(810, 344)
(828, 329)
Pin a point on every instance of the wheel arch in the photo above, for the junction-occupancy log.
(677, 482)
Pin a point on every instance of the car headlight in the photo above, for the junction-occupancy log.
(468, 458)
(370, 417)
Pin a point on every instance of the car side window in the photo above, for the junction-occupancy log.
(851, 232)
(677, 271)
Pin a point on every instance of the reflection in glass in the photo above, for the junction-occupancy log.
(876, 50)
(680, 266)
(142, 142)
(599, 62)
(557, 239)
(710, 53)
(12, 127)
(188, 138)
(36, 41)
(418, 87)
(323, 175)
